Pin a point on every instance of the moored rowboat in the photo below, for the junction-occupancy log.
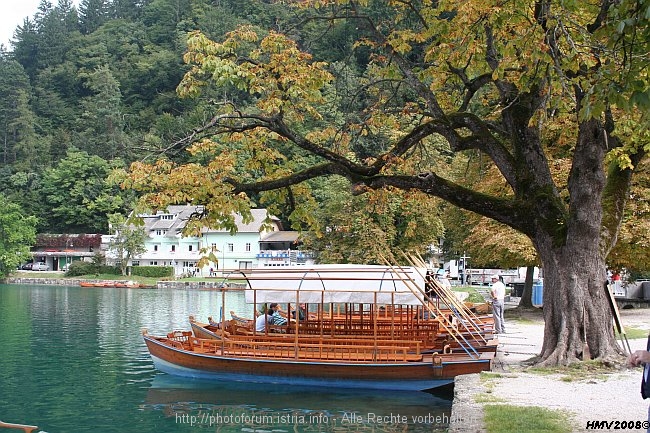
(360, 348)
(347, 366)
(114, 283)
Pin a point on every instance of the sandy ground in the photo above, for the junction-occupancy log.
(613, 396)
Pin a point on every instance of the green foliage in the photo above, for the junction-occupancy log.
(104, 82)
(128, 240)
(153, 271)
(371, 228)
(80, 267)
(78, 195)
(17, 235)
(103, 130)
(101, 81)
(84, 241)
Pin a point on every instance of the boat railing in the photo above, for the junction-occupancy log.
(340, 340)
(330, 351)
(427, 332)
(24, 427)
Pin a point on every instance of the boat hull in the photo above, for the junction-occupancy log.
(404, 376)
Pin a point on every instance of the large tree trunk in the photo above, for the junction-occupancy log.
(576, 304)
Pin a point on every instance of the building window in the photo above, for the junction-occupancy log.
(135, 263)
(167, 217)
(248, 246)
(189, 248)
(231, 248)
(155, 247)
(213, 247)
(245, 265)
(154, 263)
(173, 248)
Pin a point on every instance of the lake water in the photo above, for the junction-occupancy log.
(73, 361)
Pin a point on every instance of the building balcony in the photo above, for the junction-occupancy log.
(282, 254)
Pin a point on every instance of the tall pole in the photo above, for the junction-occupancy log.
(464, 259)
(223, 260)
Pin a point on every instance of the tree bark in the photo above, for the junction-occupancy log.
(576, 305)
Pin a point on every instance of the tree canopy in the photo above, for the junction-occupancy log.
(17, 233)
(554, 94)
(531, 114)
(128, 239)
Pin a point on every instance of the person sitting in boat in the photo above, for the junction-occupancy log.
(302, 312)
(262, 320)
(276, 315)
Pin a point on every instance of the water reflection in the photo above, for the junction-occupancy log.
(230, 406)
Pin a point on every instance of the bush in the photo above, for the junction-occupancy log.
(153, 271)
(80, 267)
(110, 270)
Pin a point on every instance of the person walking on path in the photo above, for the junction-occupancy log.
(498, 293)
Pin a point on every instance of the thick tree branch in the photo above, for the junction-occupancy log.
(286, 181)
(278, 126)
(518, 109)
(409, 141)
(482, 139)
(602, 15)
(509, 212)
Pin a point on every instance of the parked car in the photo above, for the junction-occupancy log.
(40, 266)
(27, 266)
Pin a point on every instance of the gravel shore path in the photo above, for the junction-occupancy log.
(612, 396)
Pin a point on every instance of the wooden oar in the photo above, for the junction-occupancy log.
(417, 292)
(462, 306)
(459, 309)
(617, 319)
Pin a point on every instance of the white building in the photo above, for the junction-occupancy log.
(166, 246)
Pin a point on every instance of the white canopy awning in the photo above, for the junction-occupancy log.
(336, 284)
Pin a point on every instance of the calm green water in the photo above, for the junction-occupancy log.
(73, 361)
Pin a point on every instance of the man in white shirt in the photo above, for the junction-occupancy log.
(261, 321)
(498, 292)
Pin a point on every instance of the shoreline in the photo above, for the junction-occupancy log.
(43, 281)
(583, 397)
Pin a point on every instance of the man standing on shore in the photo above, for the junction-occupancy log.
(498, 292)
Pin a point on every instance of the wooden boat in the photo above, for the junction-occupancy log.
(355, 364)
(24, 427)
(114, 283)
(359, 349)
